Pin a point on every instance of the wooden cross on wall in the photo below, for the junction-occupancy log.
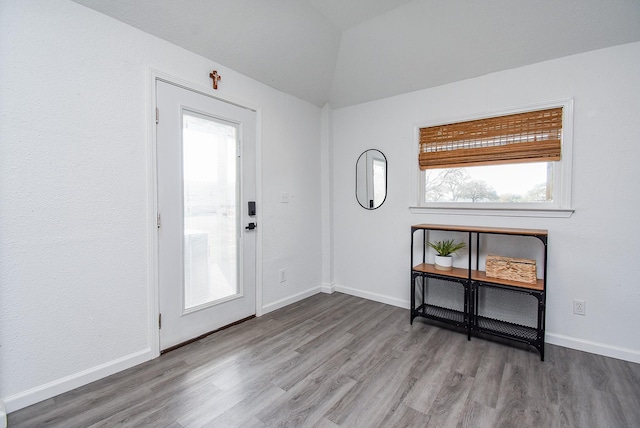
(216, 78)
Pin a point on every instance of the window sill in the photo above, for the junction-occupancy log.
(497, 212)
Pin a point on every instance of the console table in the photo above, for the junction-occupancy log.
(474, 293)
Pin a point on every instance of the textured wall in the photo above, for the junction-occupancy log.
(592, 255)
(75, 229)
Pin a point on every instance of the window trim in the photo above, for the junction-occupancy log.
(561, 207)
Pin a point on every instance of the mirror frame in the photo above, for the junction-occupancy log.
(386, 164)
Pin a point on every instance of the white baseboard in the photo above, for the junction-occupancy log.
(393, 301)
(593, 347)
(60, 386)
(291, 299)
(552, 338)
(328, 288)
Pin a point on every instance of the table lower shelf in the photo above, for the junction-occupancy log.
(506, 329)
(439, 313)
(499, 328)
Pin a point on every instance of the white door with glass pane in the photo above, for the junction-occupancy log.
(206, 176)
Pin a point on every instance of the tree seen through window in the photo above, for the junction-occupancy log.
(516, 183)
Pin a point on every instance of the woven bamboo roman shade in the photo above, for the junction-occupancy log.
(534, 136)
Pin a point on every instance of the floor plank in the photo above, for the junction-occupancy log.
(341, 361)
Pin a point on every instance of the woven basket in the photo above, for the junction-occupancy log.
(523, 270)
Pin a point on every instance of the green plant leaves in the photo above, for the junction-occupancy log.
(446, 248)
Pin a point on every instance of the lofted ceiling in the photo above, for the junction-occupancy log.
(350, 51)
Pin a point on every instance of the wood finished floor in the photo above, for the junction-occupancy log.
(341, 361)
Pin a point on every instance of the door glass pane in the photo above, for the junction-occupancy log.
(210, 177)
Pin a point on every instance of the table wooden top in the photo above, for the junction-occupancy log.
(476, 229)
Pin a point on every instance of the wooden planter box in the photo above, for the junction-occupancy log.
(523, 270)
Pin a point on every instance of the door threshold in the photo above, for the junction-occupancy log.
(202, 336)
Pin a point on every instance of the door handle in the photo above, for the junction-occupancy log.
(251, 226)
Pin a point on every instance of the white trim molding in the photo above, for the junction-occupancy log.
(328, 288)
(381, 298)
(620, 353)
(561, 207)
(499, 212)
(291, 299)
(65, 384)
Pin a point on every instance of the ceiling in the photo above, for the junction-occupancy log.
(350, 51)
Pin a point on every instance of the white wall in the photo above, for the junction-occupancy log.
(593, 254)
(75, 229)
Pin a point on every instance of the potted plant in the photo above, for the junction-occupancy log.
(445, 250)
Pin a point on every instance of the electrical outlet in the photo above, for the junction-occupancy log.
(283, 275)
(578, 307)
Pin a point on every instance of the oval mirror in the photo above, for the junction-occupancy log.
(371, 179)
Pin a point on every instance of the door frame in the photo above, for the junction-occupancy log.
(152, 186)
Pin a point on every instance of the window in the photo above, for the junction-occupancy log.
(515, 161)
